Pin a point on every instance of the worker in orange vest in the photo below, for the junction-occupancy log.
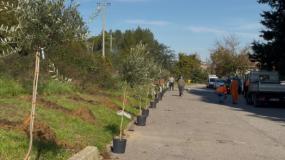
(234, 90)
(222, 93)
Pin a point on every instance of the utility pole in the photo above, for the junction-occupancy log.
(101, 7)
(111, 42)
(103, 31)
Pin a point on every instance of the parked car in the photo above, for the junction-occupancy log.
(218, 82)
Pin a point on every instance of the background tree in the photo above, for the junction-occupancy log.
(189, 66)
(227, 59)
(124, 41)
(271, 51)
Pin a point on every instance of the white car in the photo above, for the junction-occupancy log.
(218, 82)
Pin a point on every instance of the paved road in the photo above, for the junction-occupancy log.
(196, 127)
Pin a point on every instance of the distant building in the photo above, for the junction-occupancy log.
(204, 66)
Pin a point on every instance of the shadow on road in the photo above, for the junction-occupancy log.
(274, 113)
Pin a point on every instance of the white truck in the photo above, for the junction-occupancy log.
(264, 88)
(211, 81)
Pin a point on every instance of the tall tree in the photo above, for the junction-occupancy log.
(227, 59)
(124, 41)
(189, 66)
(271, 52)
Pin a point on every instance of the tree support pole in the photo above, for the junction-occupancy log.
(122, 118)
(34, 99)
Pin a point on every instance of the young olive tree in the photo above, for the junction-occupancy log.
(40, 24)
(138, 70)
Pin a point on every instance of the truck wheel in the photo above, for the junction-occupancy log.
(249, 99)
(255, 101)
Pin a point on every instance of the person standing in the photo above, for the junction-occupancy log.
(246, 86)
(234, 90)
(181, 85)
(222, 93)
(171, 83)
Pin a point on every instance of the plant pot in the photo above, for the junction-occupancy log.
(119, 145)
(160, 96)
(156, 95)
(156, 100)
(152, 104)
(145, 112)
(141, 120)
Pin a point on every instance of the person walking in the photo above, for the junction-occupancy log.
(171, 83)
(181, 85)
(234, 90)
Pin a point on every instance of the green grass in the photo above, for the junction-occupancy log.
(56, 87)
(15, 105)
(13, 110)
(63, 101)
(14, 146)
(9, 87)
(67, 127)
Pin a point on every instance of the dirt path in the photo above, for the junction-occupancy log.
(195, 127)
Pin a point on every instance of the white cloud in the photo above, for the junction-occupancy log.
(200, 29)
(249, 27)
(148, 22)
(242, 31)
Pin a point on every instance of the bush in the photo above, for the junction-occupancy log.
(9, 87)
(56, 87)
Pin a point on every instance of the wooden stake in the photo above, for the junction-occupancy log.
(146, 106)
(34, 100)
(122, 119)
(140, 104)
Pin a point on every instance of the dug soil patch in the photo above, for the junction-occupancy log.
(5, 124)
(53, 105)
(85, 114)
(41, 130)
(107, 102)
(78, 99)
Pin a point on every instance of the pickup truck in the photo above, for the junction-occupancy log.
(264, 88)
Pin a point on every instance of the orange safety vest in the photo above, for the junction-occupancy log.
(221, 89)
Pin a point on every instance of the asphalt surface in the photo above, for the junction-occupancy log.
(197, 127)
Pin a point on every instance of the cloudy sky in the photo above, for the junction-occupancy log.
(183, 25)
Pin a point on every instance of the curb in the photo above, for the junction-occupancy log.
(88, 153)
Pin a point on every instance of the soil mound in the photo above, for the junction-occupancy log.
(42, 131)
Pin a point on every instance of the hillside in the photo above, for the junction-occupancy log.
(65, 122)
